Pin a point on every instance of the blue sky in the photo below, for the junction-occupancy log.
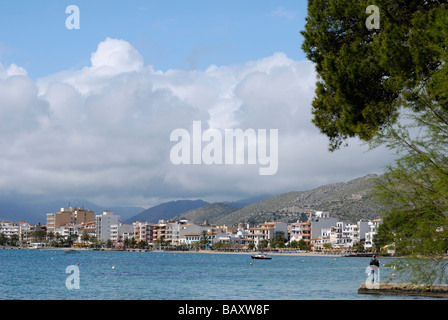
(169, 34)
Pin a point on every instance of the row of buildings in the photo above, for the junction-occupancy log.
(321, 230)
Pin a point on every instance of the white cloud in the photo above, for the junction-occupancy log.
(116, 56)
(12, 70)
(103, 132)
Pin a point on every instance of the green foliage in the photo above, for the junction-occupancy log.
(204, 240)
(142, 244)
(109, 244)
(303, 245)
(3, 239)
(390, 87)
(161, 242)
(263, 244)
(365, 76)
(416, 191)
(222, 245)
(85, 237)
(39, 235)
(293, 244)
(360, 248)
(279, 240)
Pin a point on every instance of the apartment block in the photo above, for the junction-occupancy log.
(118, 232)
(9, 229)
(104, 223)
(311, 230)
(212, 236)
(144, 231)
(70, 215)
(370, 234)
(265, 231)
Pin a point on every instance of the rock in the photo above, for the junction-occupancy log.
(405, 289)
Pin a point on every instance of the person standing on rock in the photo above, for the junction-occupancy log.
(374, 265)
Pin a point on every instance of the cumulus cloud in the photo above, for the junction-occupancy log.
(12, 70)
(116, 56)
(103, 132)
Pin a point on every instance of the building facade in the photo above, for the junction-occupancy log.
(70, 215)
(104, 223)
(265, 232)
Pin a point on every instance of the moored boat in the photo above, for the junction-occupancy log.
(71, 251)
(261, 256)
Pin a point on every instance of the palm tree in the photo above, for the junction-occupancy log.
(85, 237)
(161, 242)
(96, 242)
(142, 244)
(203, 242)
(50, 235)
(109, 244)
(39, 235)
(13, 240)
(59, 240)
(126, 243)
(70, 239)
(133, 242)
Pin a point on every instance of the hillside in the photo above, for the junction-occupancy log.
(167, 210)
(245, 202)
(210, 213)
(350, 201)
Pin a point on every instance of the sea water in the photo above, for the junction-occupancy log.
(116, 275)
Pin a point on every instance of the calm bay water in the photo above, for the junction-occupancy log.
(41, 275)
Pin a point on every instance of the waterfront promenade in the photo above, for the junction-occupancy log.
(242, 252)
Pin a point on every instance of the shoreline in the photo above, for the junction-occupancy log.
(286, 253)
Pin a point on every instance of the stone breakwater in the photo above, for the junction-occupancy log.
(406, 289)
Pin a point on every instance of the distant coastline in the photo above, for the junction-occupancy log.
(241, 252)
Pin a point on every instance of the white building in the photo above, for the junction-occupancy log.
(187, 228)
(68, 230)
(321, 220)
(342, 235)
(356, 232)
(233, 238)
(120, 231)
(373, 230)
(265, 231)
(104, 223)
(10, 229)
(211, 236)
(312, 229)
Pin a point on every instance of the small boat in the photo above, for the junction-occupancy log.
(261, 256)
(71, 251)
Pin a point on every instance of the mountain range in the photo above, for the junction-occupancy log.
(175, 209)
(167, 210)
(350, 201)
